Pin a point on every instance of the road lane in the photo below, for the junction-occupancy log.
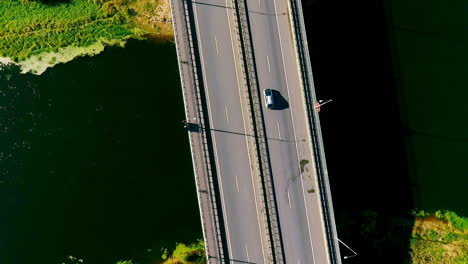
(309, 179)
(240, 207)
(300, 220)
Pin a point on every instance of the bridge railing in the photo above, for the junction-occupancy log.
(205, 141)
(183, 6)
(256, 119)
(314, 126)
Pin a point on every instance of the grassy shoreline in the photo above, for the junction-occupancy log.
(186, 254)
(37, 34)
(439, 237)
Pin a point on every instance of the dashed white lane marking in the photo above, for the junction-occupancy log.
(237, 184)
(216, 43)
(214, 137)
(227, 114)
(245, 131)
(268, 62)
(289, 200)
(294, 131)
(247, 252)
(279, 131)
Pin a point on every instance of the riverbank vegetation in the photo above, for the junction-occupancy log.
(31, 28)
(186, 254)
(183, 254)
(439, 237)
(417, 237)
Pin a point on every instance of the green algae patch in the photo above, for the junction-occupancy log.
(439, 237)
(186, 254)
(38, 64)
(40, 34)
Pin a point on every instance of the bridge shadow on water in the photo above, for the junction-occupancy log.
(351, 57)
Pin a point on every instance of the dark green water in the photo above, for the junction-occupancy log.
(396, 135)
(431, 55)
(94, 161)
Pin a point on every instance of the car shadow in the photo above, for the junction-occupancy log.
(280, 102)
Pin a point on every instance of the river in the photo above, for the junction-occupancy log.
(429, 49)
(94, 161)
(394, 135)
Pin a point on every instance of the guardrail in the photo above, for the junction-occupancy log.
(315, 130)
(185, 10)
(256, 119)
(207, 156)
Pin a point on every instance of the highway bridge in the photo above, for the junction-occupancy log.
(261, 175)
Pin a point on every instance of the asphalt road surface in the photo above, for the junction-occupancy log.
(292, 164)
(277, 66)
(223, 82)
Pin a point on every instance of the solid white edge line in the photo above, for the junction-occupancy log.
(321, 210)
(188, 132)
(213, 134)
(294, 130)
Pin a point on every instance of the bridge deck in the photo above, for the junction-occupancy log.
(261, 177)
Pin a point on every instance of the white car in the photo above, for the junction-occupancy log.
(269, 98)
